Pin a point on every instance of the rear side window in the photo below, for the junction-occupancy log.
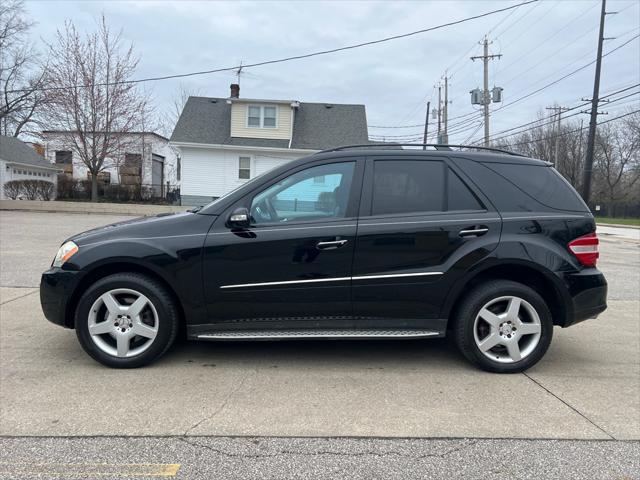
(542, 183)
(413, 186)
(459, 197)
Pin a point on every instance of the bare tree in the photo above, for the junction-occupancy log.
(21, 75)
(91, 96)
(170, 118)
(617, 160)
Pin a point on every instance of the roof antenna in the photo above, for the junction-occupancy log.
(239, 72)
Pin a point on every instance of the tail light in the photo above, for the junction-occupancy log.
(585, 249)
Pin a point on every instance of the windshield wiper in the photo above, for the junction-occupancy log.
(195, 209)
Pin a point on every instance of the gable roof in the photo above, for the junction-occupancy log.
(13, 150)
(316, 126)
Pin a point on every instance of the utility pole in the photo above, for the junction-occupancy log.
(445, 111)
(439, 114)
(486, 96)
(426, 126)
(557, 111)
(588, 162)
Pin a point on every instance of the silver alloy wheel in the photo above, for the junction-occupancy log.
(123, 322)
(507, 329)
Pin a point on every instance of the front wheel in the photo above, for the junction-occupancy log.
(503, 327)
(126, 320)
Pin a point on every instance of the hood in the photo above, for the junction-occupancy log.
(162, 225)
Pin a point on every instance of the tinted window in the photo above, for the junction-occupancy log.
(543, 183)
(312, 194)
(407, 186)
(459, 197)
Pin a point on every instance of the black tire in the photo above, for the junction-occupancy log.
(156, 293)
(474, 301)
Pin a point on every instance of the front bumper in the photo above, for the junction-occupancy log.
(588, 291)
(56, 289)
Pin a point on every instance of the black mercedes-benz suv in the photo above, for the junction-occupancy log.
(487, 247)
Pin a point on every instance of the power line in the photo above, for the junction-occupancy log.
(574, 130)
(555, 81)
(295, 57)
(536, 123)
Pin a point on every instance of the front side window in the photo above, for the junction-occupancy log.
(300, 198)
(244, 168)
(261, 116)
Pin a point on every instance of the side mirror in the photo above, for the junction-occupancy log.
(239, 218)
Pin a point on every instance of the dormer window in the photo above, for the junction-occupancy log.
(262, 116)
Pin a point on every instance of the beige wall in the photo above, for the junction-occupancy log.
(239, 122)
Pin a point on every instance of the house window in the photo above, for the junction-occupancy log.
(253, 119)
(179, 168)
(269, 120)
(132, 160)
(262, 116)
(244, 168)
(64, 157)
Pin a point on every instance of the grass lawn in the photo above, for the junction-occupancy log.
(635, 222)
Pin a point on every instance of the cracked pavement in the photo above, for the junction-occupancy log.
(352, 409)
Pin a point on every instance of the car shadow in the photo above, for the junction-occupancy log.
(305, 353)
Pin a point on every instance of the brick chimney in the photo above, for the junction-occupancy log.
(235, 90)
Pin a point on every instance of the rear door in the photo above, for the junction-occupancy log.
(420, 228)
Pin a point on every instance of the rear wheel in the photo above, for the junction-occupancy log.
(503, 326)
(126, 320)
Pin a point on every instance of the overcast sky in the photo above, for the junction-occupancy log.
(539, 42)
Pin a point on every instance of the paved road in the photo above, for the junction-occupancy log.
(586, 391)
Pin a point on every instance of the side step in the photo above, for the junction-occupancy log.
(315, 334)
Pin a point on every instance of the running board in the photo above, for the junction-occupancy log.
(315, 334)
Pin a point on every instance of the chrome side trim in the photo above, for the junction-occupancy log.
(331, 279)
(291, 334)
(287, 282)
(396, 275)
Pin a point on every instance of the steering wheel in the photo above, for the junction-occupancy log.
(264, 211)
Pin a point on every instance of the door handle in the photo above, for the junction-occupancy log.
(474, 231)
(332, 245)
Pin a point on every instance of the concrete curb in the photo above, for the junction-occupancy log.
(89, 207)
(619, 225)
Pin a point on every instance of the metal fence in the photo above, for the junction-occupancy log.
(74, 189)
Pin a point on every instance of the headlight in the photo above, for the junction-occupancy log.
(66, 251)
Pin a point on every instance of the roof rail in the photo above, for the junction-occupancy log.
(435, 146)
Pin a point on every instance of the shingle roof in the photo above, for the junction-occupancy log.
(13, 150)
(317, 126)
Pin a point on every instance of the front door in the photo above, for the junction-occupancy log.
(292, 267)
(420, 228)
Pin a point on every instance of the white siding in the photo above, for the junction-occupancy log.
(213, 172)
(27, 172)
(239, 122)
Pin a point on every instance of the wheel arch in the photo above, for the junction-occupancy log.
(119, 266)
(543, 282)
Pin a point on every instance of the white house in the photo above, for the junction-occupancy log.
(19, 161)
(144, 158)
(226, 141)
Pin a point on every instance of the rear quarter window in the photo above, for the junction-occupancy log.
(542, 183)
